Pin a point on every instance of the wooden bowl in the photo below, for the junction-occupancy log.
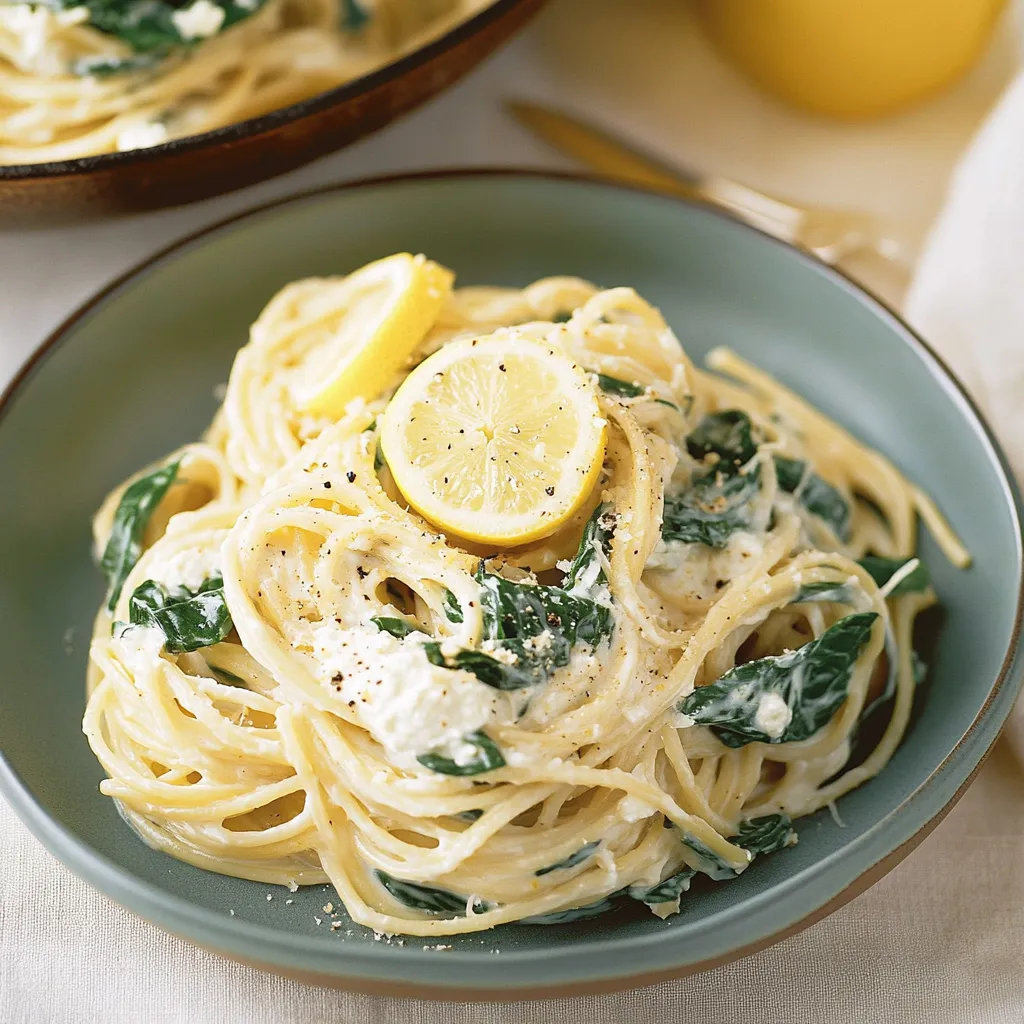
(199, 166)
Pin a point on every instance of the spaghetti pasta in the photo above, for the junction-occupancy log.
(297, 679)
(80, 77)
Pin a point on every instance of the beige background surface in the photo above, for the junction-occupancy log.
(939, 940)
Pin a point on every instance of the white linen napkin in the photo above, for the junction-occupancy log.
(967, 298)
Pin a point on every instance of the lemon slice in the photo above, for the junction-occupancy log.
(381, 314)
(497, 440)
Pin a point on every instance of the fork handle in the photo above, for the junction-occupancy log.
(775, 216)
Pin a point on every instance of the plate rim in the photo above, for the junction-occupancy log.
(199, 925)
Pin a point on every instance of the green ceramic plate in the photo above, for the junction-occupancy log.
(133, 374)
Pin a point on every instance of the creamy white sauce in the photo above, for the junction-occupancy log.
(201, 20)
(188, 568)
(632, 809)
(138, 648)
(141, 136)
(697, 570)
(567, 687)
(407, 704)
(773, 715)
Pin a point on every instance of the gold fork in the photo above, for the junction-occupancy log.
(830, 234)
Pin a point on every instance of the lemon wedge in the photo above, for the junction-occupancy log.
(380, 315)
(497, 440)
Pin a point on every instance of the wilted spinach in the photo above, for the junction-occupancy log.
(813, 681)
(619, 388)
(124, 545)
(487, 756)
(428, 897)
(595, 909)
(537, 625)
(881, 570)
(572, 860)
(354, 17)
(188, 619)
(729, 435)
(758, 836)
(718, 501)
(148, 26)
(452, 608)
(816, 495)
(711, 864)
(668, 890)
(716, 505)
(103, 67)
(840, 593)
(766, 834)
(396, 627)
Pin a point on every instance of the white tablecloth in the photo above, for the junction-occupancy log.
(938, 940)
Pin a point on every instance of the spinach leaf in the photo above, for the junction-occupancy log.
(452, 608)
(585, 571)
(718, 502)
(711, 864)
(428, 897)
(124, 546)
(572, 860)
(515, 612)
(758, 836)
(716, 505)
(188, 619)
(353, 16)
(668, 890)
(729, 435)
(147, 26)
(819, 497)
(538, 625)
(472, 815)
(396, 627)
(486, 758)
(626, 389)
(619, 388)
(595, 909)
(486, 668)
(840, 593)
(766, 834)
(881, 570)
(228, 678)
(813, 681)
(104, 67)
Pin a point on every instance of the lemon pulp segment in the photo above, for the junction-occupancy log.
(497, 440)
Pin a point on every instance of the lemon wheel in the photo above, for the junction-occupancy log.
(497, 440)
(387, 309)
